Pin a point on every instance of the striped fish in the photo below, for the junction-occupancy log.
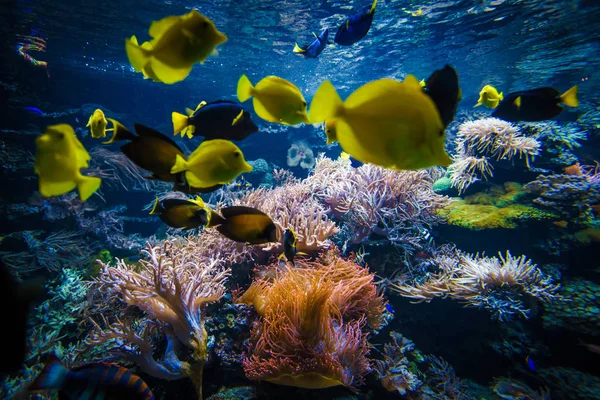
(94, 381)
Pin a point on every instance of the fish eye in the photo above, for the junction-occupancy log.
(236, 154)
(442, 133)
(204, 24)
(60, 136)
(304, 103)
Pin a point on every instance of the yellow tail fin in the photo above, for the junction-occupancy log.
(373, 7)
(325, 103)
(138, 56)
(156, 207)
(87, 186)
(501, 96)
(180, 165)
(244, 89)
(569, 97)
(180, 121)
(298, 49)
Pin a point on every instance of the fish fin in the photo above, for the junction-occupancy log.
(372, 10)
(325, 103)
(517, 102)
(412, 80)
(167, 74)
(156, 208)
(244, 89)
(214, 219)
(200, 105)
(180, 165)
(478, 104)
(262, 112)
(301, 253)
(189, 112)
(119, 132)
(443, 159)
(298, 49)
(347, 24)
(53, 376)
(180, 122)
(158, 28)
(501, 96)
(569, 97)
(87, 186)
(50, 189)
(137, 55)
(189, 131)
(238, 118)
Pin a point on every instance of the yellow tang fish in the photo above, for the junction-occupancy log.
(385, 122)
(58, 159)
(97, 124)
(214, 162)
(489, 97)
(178, 43)
(274, 100)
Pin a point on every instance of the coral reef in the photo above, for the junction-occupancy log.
(558, 144)
(394, 370)
(479, 143)
(300, 153)
(310, 332)
(581, 313)
(503, 285)
(172, 286)
(496, 207)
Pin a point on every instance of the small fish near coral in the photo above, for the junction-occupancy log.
(376, 124)
(178, 42)
(19, 298)
(58, 159)
(91, 381)
(314, 48)
(535, 105)
(97, 124)
(289, 246)
(489, 97)
(182, 214)
(220, 119)
(245, 225)
(274, 100)
(214, 162)
(356, 26)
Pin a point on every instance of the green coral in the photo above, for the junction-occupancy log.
(580, 312)
(442, 185)
(495, 207)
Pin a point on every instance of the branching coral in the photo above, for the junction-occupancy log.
(172, 285)
(371, 199)
(479, 142)
(394, 369)
(312, 316)
(502, 285)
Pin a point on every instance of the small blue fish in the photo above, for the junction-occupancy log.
(34, 110)
(389, 308)
(530, 364)
(356, 26)
(91, 381)
(315, 48)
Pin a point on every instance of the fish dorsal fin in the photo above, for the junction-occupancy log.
(234, 211)
(168, 203)
(189, 112)
(156, 208)
(198, 201)
(158, 28)
(275, 79)
(238, 118)
(517, 102)
(412, 80)
(144, 131)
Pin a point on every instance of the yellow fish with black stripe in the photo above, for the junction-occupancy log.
(178, 42)
(180, 213)
(58, 160)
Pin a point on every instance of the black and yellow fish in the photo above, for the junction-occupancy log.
(442, 88)
(91, 381)
(535, 105)
(245, 225)
(180, 213)
(356, 26)
(289, 245)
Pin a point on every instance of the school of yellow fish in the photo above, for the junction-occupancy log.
(394, 124)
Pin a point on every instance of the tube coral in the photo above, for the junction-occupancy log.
(310, 333)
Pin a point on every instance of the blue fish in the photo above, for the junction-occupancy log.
(356, 26)
(315, 48)
(91, 381)
(34, 110)
(389, 308)
(221, 119)
(530, 364)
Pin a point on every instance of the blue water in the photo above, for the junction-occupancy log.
(62, 60)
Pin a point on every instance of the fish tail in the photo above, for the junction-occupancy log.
(180, 165)
(569, 97)
(87, 186)
(298, 49)
(501, 96)
(53, 376)
(137, 55)
(244, 89)
(119, 132)
(214, 219)
(372, 11)
(180, 122)
(325, 103)
(156, 209)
